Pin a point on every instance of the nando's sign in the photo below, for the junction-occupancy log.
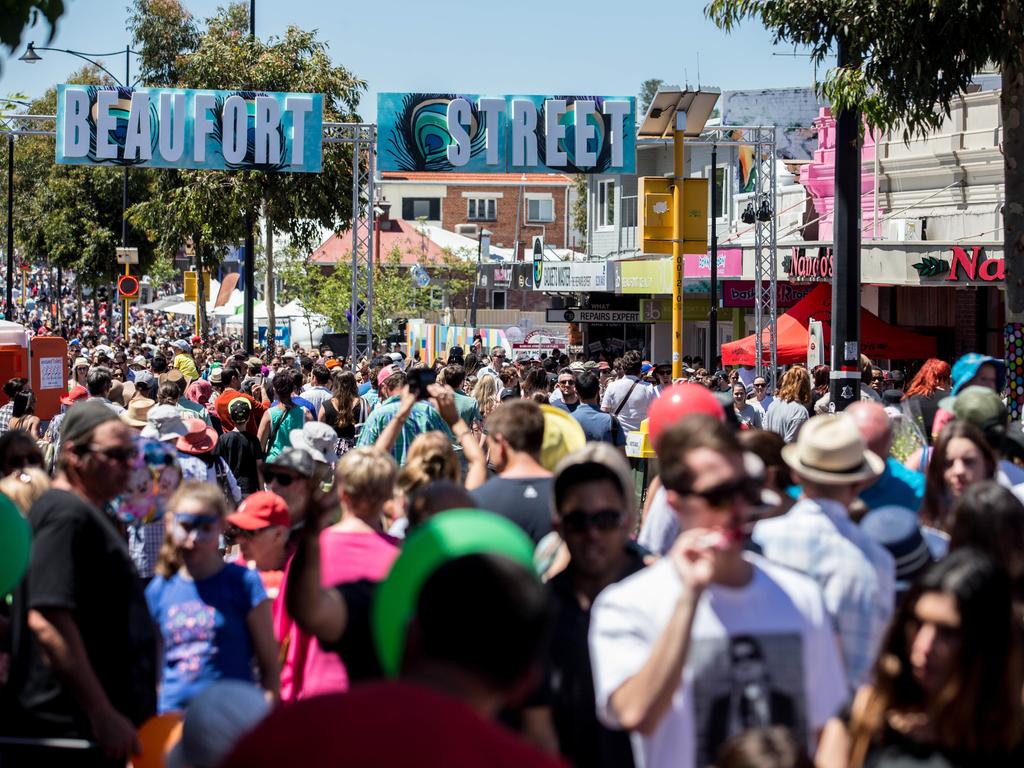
(963, 266)
(809, 265)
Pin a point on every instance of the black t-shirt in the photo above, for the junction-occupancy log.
(80, 563)
(356, 647)
(524, 501)
(569, 682)
(242, 451)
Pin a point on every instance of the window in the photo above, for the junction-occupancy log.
(606, 203)
(483, 209)
(719, 202)
(498, 299)
(428, 208)
(540, 209)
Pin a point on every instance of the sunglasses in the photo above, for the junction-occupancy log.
(115, 454)
(759, 386)
(281, 478)
(723, 496)
(579, 521)
(234, 533)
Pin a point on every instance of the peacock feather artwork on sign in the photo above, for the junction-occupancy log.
(120, 112)
(421, 137)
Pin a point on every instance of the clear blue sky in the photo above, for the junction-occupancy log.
(525, 46)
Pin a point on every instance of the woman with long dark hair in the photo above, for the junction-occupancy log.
(947, 685)
(345, 411)
(281, 419)
(23, 415)
(961, 458)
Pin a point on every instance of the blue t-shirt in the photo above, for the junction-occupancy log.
(204, 630)
(597, 425)
(897, 486)
(364, 388)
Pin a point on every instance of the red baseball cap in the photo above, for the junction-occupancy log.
(76, 393)
(260, 510)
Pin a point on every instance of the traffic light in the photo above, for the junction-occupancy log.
(127, 287)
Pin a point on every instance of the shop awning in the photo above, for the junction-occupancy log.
(879, 340)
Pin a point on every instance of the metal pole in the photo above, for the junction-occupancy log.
(713, 298)
(124, 180)
(844, 384)
(249, 265)
(9, 309)
(476, 281)
(678, 171)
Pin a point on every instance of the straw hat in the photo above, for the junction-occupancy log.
(830, 450)
(137, 412)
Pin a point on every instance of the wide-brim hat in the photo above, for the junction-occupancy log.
(317, 439)
(198, 439)
(137, 412)
(830, 450)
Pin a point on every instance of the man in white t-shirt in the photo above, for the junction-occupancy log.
(711, 641)
(629, 398)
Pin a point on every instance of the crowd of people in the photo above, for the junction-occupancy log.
(298, 558)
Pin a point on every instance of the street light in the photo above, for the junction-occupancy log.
(31, 57)
(485, 237)
(9, 293)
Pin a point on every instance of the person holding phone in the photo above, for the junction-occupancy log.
(403, 413)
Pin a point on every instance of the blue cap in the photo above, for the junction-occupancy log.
(646, 368)
(896, 528)
(966, 368)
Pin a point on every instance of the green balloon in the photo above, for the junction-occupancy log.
(15, 545)
(446, 536)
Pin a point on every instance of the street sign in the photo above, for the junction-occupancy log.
(576, 315)
(282, 335)
(127, 287)
(127, 255)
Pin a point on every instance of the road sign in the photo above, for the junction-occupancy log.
(127, 255)
(127, 287)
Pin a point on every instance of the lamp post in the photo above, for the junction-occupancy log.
(249, 265)
(30, 56)
(485, 240)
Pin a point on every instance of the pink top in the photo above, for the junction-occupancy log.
(307, 669)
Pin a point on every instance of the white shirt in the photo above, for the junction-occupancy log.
(317, 396)
(661, 526)
(761, 405)
(791, 676)
(635, 409)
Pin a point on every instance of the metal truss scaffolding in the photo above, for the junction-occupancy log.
(761, 140)
(363, 139)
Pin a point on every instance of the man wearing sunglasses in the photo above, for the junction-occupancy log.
(661, 640)
(84, 655)
(595, 508)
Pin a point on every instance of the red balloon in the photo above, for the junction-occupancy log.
(678, 401)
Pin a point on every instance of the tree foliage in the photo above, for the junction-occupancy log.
(165, 33)
(648, 90)
(300, 205)
(68, 215)
(15, 15)
(907, 57)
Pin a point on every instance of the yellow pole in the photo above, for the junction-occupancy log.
(127, 271)
(677, 245)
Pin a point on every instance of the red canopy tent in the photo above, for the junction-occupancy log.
(878, 339)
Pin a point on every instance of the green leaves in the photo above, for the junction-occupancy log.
(930, 266)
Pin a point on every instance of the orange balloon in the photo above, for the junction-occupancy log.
(158, 735)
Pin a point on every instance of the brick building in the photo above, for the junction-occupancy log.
(513, 207)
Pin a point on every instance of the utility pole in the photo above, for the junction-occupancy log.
(9, 309)
(678, 174)
(713, 298)
(845, 378)
(249, 265)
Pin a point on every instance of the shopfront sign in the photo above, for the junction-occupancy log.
(186, 128)
(576, 315)
(964, 265)
(654, 276)
(569, 276)
(741, 293)
(501, 276)
(698, 265)
(482, 134)
(810, 264)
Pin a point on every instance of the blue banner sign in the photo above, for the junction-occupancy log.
(506, 134)
(179, 128)
(282, 335)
